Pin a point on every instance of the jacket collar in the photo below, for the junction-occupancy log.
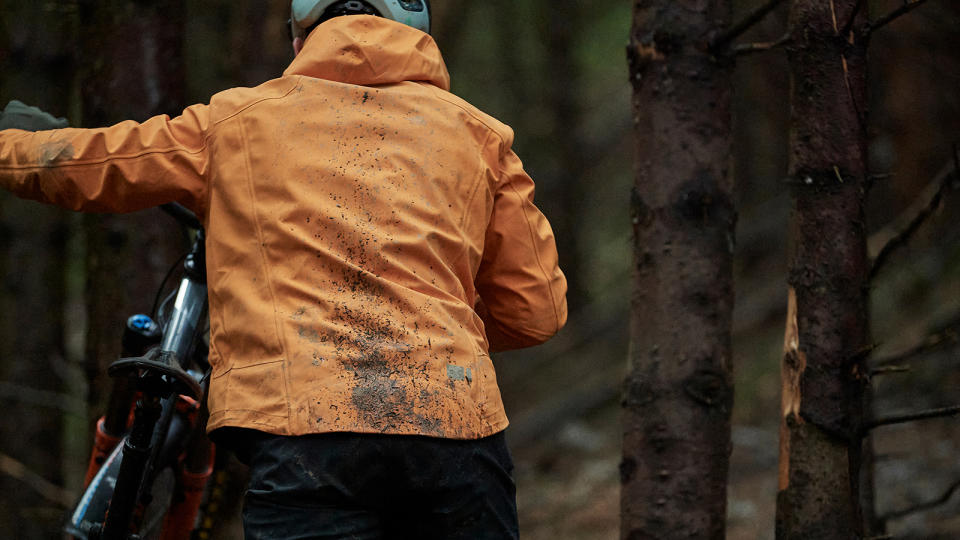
(368, 50)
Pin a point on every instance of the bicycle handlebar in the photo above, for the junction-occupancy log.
(182, 214)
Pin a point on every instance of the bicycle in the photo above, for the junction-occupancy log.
(151, 459)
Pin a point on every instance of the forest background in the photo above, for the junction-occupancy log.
(556, 72)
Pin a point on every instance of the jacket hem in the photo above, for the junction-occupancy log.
(277, 425)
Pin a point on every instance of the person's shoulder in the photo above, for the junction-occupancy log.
(501, 130)
(228, 103)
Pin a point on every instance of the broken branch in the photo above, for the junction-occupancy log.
(889, 369)
(907, 7)
(748, 48)
(944, 180)
(41, 485)
(747, 23)
(931, 343)
(853, 17)
(942, 499)
(912, 417)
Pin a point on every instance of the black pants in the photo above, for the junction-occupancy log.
(346, 485)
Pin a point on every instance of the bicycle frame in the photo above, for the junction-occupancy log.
(167, 416)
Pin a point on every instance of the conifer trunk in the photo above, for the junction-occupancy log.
(679, 391)
(133, 69)
(827, 322)
(36, 65)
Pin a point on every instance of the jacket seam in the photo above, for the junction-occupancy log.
(224, 412)
(234, 367)
(466, 208)
(476, 185)
(266, 267)
(258, 101)
(439, 95)
(536, 252)
(101, 161)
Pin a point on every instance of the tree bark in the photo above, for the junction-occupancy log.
(134, 69)
(827, 331)
(36, 62)
(571, 165)
(678, 392)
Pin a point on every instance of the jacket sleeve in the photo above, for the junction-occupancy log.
(122, 168)
(522, 290)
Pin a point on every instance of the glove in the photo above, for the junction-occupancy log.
(20, 116)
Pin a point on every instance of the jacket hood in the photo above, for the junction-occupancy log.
(368, 50)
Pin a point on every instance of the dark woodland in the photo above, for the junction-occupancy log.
(755, 205)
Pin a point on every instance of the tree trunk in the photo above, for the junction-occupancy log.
(827, 325)
(679, 391)
(571, 166)
(36, 62)
(32, 362)
(133, 55)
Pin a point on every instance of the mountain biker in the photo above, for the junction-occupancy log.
(371, 238)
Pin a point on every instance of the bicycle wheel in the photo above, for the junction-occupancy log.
(92, 508)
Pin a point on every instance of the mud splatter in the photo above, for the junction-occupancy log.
(459, 373)
(54, 152)
(309, 334)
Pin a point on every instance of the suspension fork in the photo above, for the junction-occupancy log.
(139, 334)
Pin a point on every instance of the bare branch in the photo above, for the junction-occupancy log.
(41, 398)
(944, 179)
(747, 23)
(39, 484)
(862, 354)
(931, 343)
(912, 417)
(889, 369)
(942, 499)
(749, 48)
(852, 18)
(907, 7)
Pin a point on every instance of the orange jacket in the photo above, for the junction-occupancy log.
(370, 235)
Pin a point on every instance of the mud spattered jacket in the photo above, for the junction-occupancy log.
(371, 237)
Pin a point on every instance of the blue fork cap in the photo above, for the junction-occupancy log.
(141, 322)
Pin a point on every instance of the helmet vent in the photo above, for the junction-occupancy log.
(411, 5)
(348, 7)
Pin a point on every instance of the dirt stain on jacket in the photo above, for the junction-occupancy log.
(54, 152)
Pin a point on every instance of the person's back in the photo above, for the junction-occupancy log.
(371, 237)
(353, 217)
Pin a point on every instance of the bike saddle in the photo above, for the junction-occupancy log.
(159, 371)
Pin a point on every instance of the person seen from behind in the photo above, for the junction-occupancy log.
(371, 238)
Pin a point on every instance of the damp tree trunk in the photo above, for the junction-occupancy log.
(133, 68)
(572, 162)
(36, 62)
(827, 331)
(678, 392)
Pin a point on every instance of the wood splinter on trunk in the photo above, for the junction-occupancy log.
(828, 323)
(792, 366)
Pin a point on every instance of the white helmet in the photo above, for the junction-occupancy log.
(305, 13)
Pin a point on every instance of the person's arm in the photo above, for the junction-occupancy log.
(122, 168)
(522, 290)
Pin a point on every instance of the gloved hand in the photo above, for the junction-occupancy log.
(20, 116)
